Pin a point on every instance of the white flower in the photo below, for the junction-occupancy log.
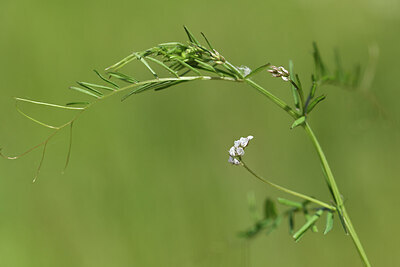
(237, 151)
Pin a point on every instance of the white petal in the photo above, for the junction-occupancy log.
(232, 151)
(285, 78)
(282, 69)
(240, 151)
(243, 141)
(237, 143)
(233, 161)
(250, 137)
(236, 161)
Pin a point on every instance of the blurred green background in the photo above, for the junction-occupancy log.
(148, 182)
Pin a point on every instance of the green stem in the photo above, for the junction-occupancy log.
(273, 98)
(316, 201)
(340, 208)
(336, 195)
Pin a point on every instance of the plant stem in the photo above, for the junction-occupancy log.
(316, 201)
(273, 98)
(340, 208)
(336, 194)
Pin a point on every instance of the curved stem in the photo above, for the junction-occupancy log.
(336, 195)
(340, 208)
(316, 201)
(273, 98)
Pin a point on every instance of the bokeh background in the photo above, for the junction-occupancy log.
(148, 182)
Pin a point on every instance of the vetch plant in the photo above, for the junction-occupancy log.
(193, 61)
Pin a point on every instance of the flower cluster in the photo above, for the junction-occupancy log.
(279, 72)
(237, 151)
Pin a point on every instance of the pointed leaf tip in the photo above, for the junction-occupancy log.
(205, 38)
(257, 70)
(191, 36)
(329, 222)
(298, 122)
(312, 105)
(106, 80)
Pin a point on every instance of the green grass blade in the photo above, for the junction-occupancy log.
(312, 105)
(96, 86)
(258, 69)
(295, 93)
(169, 85)
(81, 90)
(220, 71)
(143, 88)
(122, 62)
(298, 82)
(105, 79)
(47, 104)
(176, 66)
(313, 89)
(123, 77)
(35, 120)
(90, 88)
(135, 91)
(205, 38)
(171, 44)
(188, 66)
(191, 36)
(77, 103)
(164, 66)
(161, 85)
(206, 66)
(147, 65)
